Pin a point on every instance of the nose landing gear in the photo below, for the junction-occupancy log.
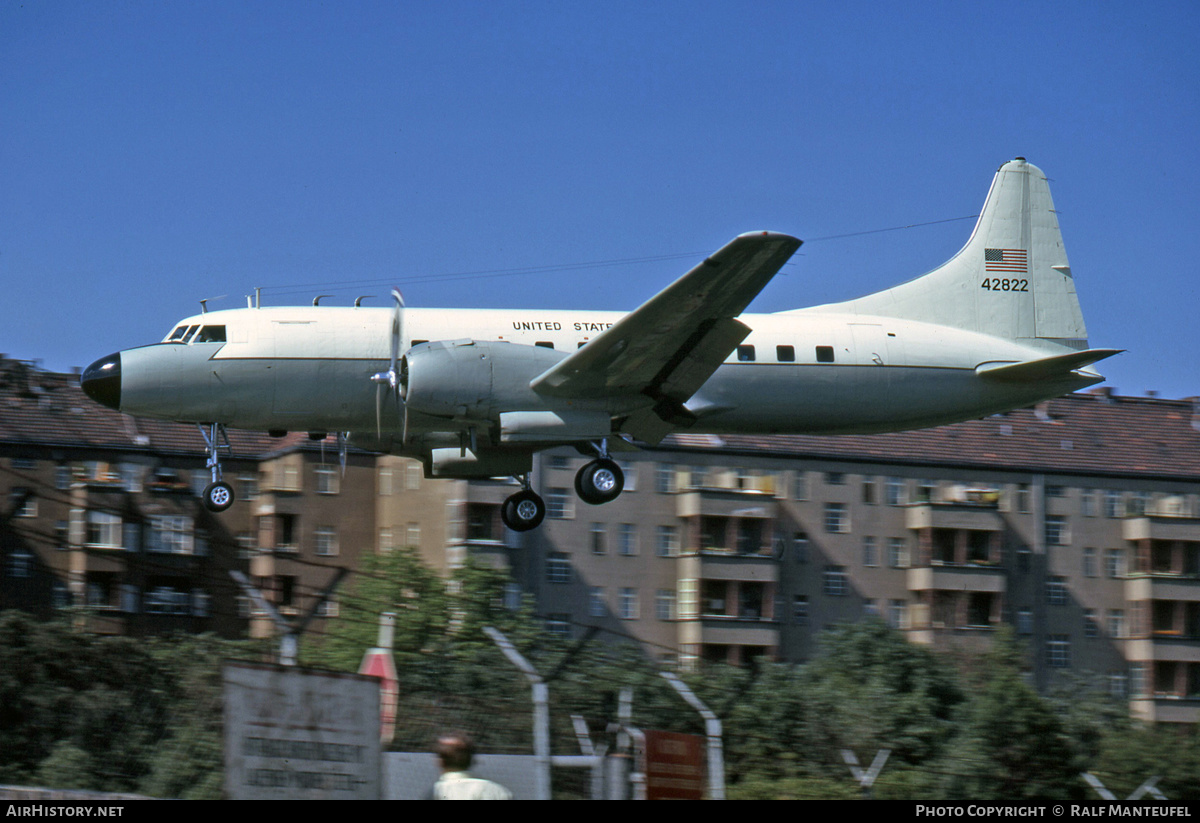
(217, 495)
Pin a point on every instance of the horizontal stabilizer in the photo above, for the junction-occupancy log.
(1045, 368)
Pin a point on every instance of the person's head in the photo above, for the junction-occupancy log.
(455, 751)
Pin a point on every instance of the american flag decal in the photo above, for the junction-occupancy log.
(1011, 260)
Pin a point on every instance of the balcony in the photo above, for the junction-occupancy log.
(959, 578)
(976, 517)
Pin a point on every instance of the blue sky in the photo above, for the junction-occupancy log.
(153, 154)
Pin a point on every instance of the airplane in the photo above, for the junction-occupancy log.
(475, 393)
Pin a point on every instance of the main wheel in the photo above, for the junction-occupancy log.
(599, 482)
(523, 511)
(218, 496)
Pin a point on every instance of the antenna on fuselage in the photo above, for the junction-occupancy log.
(258, 297)
(204, 303)
(358, 300)
(317, 299)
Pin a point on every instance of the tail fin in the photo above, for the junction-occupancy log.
(1010, 280)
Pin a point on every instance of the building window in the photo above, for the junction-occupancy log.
(800, 610)
(1056, 591)
(327, 542)
(836, 521)
(893, 491)
(1089, 562)
(870, 608)
(898, 614)
(800, 546)
(20, 564)
(1114, 563)
(628, 604)
(1023, 498)
(667, 541)
(558, 624)
(664, 478)
(870, 552)
(800, 486)
(898, 553)
(664, 604)
(103, 529)
(327, 480)
(1090, 627)
(834, 583)
(1112, 503)
(328, 607)
(1058, 651)
(598, 537)
(558, 504)
(627, 538)
(1025, 622)
(1087, 503)
(1116, 623)
(835, 478)
(1058, 533)
(170, 535)
(558, 568)
(596, 601)
(868, 491)
(386, 483)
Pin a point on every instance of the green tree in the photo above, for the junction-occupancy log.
(1010, 745)
(870, 689)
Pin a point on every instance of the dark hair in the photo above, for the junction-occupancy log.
(455, 751)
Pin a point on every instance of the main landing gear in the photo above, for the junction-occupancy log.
(218, 495)
(524, 510)
(601, 480)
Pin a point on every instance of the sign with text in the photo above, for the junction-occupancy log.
(674, 766)
(297, 734)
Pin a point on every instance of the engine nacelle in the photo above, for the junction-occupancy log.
(471, 379)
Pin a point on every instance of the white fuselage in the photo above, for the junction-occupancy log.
(309, 368)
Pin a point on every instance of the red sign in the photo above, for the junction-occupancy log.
(379, 663)
(674, 766)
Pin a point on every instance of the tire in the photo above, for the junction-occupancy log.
(600, 481)
(218, 497)
(523, 511)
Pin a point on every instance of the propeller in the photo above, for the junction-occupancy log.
(391, 377)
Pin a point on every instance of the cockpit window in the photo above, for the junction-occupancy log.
(177, 335)
(210, 334)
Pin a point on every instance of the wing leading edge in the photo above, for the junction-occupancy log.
(668, 347)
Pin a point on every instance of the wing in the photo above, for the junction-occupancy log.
(667, 348)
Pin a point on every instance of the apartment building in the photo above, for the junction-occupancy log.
(1076, 522)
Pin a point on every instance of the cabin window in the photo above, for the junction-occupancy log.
(545, 344)
(745, 353)
(824, 354)
(210, 334)
(785, 354)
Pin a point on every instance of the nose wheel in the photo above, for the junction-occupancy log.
(218, 495)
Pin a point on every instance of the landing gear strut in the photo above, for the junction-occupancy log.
(524, 510)
(218, 495)
(601, 480)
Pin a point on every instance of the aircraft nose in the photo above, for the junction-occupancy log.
(101, 381)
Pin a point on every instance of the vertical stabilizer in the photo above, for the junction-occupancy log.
(1010, 280)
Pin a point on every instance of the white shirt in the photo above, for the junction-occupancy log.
(461, 786)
